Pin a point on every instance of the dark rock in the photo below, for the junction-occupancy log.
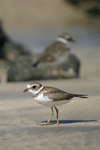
(9, 50)
(18, 63)
(9, 53)
(22, 69)
(91, 7)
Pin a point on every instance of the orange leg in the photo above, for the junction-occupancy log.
(57, 115)
(52, 113)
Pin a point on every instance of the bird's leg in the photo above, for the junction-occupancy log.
(50, 117)
(51, 74)
(57, 115)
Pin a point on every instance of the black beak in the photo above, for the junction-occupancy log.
(25, 90)
(72, 40)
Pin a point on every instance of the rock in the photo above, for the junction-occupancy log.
(90, 6)
(17, 63)
(3, 71)
(12, 51)
(9, 50)
(22, 69)
(9, 53)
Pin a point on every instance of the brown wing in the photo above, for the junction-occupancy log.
(57, 48)
(53, 51)
(56, 94)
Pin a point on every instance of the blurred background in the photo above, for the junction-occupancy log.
(36, 23)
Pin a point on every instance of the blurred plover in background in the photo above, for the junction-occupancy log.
(50, 96)
(58, 50)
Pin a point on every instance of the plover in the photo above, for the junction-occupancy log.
(57, 50)
(50, 96)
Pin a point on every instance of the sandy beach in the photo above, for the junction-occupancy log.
(79, 126)
(37, 23)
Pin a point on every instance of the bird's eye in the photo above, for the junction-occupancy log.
(34, 86)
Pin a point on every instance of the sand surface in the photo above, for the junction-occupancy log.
(79, 126)
(20, 115)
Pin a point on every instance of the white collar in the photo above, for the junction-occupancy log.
(39, 90)
(62, 40)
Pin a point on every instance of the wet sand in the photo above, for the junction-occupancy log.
(79, 126)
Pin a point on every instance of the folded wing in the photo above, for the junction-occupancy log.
(58, 95)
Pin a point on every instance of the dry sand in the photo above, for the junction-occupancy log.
(79, 127)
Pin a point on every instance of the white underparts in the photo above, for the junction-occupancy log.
(76, 97)
(46, 101)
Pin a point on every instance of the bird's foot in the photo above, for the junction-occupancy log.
(46, 123)
(56, 123)
(49, 123)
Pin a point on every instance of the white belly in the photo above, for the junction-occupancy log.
(49, 102)
(53, 103)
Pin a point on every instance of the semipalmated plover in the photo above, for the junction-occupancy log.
(50, 96)
(58, 50)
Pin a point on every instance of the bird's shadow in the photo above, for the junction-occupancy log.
(71, 121)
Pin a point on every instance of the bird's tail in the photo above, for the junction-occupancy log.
(80, 95)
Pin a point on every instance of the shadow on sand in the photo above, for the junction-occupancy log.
(71, 121)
